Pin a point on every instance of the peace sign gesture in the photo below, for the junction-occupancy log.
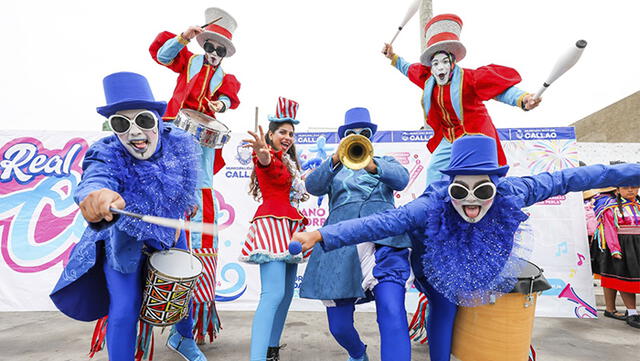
(260, 146)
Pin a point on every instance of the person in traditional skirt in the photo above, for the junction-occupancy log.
(203, 86)
(145, 167)
(356, 274)
(618, 235)
(276, 181)
(603, 198)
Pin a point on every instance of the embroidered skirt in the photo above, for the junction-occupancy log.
(268, 240)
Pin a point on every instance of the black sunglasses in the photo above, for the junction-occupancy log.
(365, 132)
(210, 48)
(484, 191)
(145, 120)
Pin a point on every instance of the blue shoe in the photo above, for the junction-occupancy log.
(363, 358)
(185, 347)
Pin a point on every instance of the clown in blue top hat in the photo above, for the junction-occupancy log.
(462, 230)
(357, 121)
(145, 167)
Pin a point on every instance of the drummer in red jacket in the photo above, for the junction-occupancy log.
(454, 97)
(202, 86)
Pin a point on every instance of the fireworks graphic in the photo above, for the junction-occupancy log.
(551, 156)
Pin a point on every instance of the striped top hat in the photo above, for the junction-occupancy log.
(220, 27)
(442, 33)
(285, 111)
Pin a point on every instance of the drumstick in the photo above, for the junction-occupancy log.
(566, 62)
(199, 227)
(211, 22)
(255, 124)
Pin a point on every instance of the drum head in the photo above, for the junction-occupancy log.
(529, 270)
(531, 279)
(196, 116)
(176, 263)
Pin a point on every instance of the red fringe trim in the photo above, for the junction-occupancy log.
(418, 325)
(99, 336)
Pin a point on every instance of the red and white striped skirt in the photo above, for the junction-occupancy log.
(268, 240)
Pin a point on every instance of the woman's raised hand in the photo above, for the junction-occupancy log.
(259, 145)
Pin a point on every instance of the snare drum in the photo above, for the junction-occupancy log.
(208, 131)
(501, 330)
(171, 279)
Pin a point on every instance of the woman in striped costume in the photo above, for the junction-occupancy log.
(276, 181)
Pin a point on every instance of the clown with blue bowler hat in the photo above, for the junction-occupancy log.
(462, 229)
(378, 269)
(145, 167)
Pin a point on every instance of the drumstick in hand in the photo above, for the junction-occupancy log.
(198, 227)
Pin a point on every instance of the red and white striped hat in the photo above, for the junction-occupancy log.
(285, 111)
(221, 30)
(442, 33)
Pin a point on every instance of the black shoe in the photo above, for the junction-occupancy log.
(273, 353)
(615, 314)
(634, 321)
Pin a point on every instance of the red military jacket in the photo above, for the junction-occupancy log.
(470, 88)
(275, 185)
(194, 87)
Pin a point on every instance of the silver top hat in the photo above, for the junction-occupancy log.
(220, 27)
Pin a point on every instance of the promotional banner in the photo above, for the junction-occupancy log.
(40, 222)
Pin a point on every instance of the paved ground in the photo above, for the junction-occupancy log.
(51, 336)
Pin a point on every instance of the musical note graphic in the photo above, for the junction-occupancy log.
(562, 248)
(580, 259)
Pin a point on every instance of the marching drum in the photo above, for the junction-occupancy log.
(171, 279)
(501, 330)
(208, 131)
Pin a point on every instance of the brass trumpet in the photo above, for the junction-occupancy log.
(355, 151)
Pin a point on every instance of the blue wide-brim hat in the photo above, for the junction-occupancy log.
(475, 155)
(126, 90)
(357, 118)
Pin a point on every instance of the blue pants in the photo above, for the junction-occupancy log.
(278, 280)
(391, 271)
(125, 300)
(440, 159)
(442, 315)
(442, 312)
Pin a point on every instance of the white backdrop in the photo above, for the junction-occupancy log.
(39, 222)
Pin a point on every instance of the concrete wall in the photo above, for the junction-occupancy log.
(617, 123)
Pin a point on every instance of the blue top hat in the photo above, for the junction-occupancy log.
(357, 118)
(125, 90)
(475, 155)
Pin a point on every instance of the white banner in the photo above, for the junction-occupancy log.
(40, 223)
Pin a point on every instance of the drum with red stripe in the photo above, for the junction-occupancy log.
(170, 282)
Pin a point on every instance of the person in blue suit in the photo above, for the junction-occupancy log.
(355, 274)
(147, 167)
(462, 229)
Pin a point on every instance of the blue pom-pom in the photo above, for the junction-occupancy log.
(295, 247)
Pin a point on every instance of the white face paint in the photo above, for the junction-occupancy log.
(441, 68)
(141, 138)
(474, 203)
(213, 58)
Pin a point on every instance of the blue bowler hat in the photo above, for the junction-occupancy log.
(125, 90)
(475, 155)
(356, 118)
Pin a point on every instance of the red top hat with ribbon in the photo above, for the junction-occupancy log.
(220, 27)
(285, 111)
(442, 33)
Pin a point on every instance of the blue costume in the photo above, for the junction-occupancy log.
(104, 275)
(359, 273)
(456, 262)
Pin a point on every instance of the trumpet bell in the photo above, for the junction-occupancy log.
(355, 151)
